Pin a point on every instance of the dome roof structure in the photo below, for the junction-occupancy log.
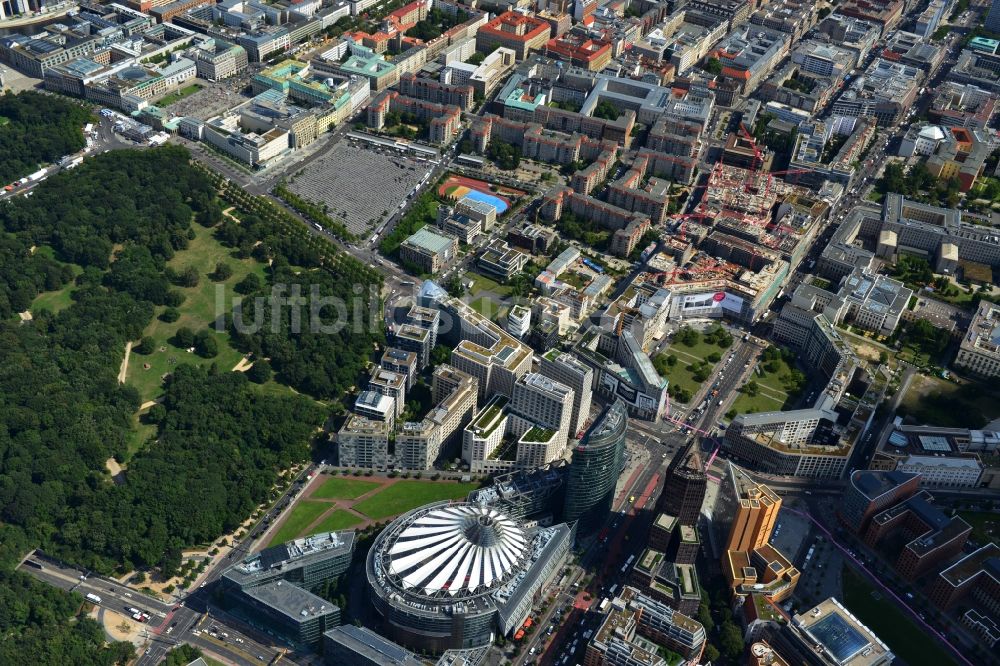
(457, 549)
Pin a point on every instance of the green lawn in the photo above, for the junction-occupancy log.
(54, 301)
(405, 495)
(486, 306)
(575, 279)
(679, 375)
(985, 525)
(762, 402)
(336, 521)
(197, 312)
(178, 95)
(906, 640)
(57, 300)
(944, 403)
(771, 396)
(772, 380)
(482, 283)
(343, 488)
(140, 434)
(303, 514)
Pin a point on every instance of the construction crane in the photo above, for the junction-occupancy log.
(758, 162)
(684, 217)
(771, 176)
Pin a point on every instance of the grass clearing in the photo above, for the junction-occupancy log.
(198, 311)
(402, 496)
(141, 432)
(301, 517)
(985, 526)
(54, 301)
(486, 306)
(60, 299)
(679, 375)
(907, 641)
(482, 283)
(178, 95)
(343, 488)
(945, 403)
(337, 520)
(761, 402)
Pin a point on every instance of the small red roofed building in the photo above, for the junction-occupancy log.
(522, 34)
(580, 51)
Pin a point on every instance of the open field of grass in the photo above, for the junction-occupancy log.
(57, 300)
(482, 283)
(771, 395)
(985, 525)
(941, 402)
(679, 375)
(486, 306)
(337, 520)
(762, 402)
(343, 488)
(178, 95)
(905, 639)
(141, 432)
(405, 495)
(301, 516)
(54, 301)
(197, 312)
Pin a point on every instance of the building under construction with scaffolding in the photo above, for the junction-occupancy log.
(749, 231)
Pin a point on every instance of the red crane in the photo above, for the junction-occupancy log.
(758, 161)
(684, 217)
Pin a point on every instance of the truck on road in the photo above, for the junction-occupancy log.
(93, 597)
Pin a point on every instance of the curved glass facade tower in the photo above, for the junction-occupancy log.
(594, 470)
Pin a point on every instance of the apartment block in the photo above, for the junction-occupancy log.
(541, 402)
(363, 442)
(486, 351)
(930, 536)
(569, 371)
(973, 579)
(403, 362)
(871, 491)
(979, 351)
(749, 54)
(390, 384)
(428, 251)
(517, 32)
(500, 260)
(376, 406)
(419, 445)
(886, 91)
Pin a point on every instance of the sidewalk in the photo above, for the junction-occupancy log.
(37, 18)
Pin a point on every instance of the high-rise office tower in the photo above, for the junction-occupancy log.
(541, 404)
(685, 486)
(572, 372)
(745, 513)
(756, 512)
(594, 470)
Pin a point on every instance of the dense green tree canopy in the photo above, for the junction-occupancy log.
(37, 129)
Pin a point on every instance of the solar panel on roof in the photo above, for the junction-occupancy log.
(934, 443)
(273, 555)
(839, 638)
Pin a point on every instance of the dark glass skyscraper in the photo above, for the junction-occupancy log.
(685, 486)
(594, 470)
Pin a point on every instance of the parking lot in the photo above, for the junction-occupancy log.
(360, 186)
